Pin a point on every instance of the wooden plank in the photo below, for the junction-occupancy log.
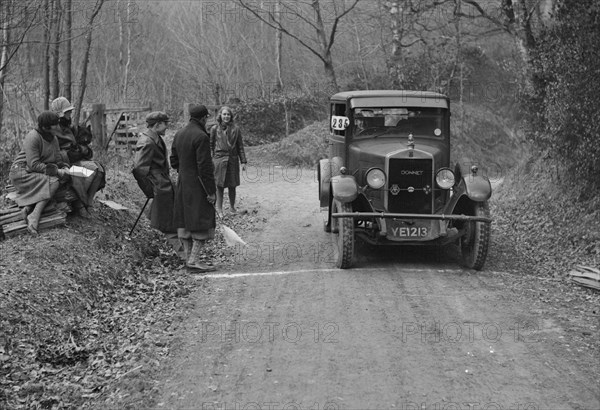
(587, 275)
(588, 268)
(588, 283)
(14, 217)
(128, 109)
(9, 210)
(16, 228)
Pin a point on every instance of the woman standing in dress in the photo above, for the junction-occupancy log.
(227, 148)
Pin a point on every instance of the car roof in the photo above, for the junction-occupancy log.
(344, 95)
(391, 98)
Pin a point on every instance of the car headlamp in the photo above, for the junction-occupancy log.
(445, 178)
(375, 178)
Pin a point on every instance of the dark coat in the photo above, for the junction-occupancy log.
(190, 156)
(227, 148)
(151, 170)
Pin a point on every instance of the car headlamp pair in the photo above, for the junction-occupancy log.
(444, 178)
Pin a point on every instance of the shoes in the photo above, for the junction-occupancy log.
(194, 263)
(200, 268)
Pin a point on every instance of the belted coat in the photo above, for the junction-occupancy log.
(227, 147)
(151, 170)
(190, 156)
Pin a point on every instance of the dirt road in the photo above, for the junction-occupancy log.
(404, 329)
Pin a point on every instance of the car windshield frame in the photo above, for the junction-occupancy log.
(375, 122)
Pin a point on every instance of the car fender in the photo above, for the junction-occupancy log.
(344, 188)
(327, 168)
(475, 186)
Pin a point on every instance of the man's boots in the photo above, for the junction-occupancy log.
(187, 248)
(194, 263)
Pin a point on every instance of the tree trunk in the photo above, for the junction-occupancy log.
(46, 57)
(360, 52)
(86, 60)
(56, 27)
(278, 48)
(69, 51)
(395, 59)
(325, 46)
(517, 13)
(128, 61)
(5, 10)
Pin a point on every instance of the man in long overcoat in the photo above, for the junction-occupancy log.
(194, 214)
(151, 170)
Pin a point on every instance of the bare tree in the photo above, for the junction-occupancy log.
(321, 45)
(5, 12)
(56, 20)
(86, 59)
(69, 52)
(516, 17)
(278, 49)
(46, 58)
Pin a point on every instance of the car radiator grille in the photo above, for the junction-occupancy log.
(401, 174)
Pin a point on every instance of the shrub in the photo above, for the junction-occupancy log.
(264, 121)
(565, 123)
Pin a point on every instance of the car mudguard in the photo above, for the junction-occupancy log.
(327, 169)
(344, 188)
(476, 186)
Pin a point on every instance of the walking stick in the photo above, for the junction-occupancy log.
(231, 238)
(138, 218)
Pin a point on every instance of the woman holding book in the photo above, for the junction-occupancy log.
(74, 142)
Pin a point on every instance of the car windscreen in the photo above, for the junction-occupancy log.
(386, 121)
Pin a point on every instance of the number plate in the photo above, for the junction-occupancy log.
(400, 230)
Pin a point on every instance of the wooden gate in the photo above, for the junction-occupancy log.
(117, 127)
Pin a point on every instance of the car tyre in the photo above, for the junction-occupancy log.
(345, 232)
(474, 244)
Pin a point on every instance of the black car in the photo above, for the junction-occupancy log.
(388, 179)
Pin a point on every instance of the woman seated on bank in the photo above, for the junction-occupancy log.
(75, 149)
(38, 171)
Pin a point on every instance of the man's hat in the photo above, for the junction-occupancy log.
(198, 111)
(60, 106)
(47, 119)
(156, 117)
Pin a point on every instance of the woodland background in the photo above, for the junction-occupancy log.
(89, 323)
(522, 68)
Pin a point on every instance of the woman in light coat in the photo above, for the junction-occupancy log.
(38, 171)
(227, 149)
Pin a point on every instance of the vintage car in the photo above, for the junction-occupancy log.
(388, 179)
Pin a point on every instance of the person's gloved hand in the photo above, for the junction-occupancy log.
(51, 170)
(211, 198)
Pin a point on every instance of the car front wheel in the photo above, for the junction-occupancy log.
(345, 232)
(474, 244)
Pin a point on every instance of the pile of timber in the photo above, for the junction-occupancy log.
(586, 276)
(13, 220)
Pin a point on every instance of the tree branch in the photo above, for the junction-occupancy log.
(283, 30)
(335, 24)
